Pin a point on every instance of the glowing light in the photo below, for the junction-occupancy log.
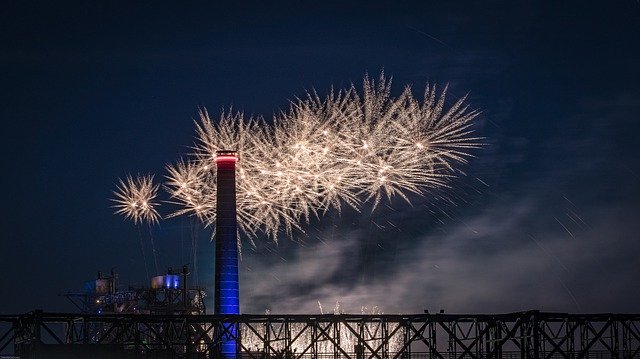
(132, 192)
(223, 158)
(325, 348)
(348, 148)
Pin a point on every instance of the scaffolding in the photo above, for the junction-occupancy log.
(530, 334)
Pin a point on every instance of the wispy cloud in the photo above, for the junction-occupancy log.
(513, 255)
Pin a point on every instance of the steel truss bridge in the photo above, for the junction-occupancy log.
(530, 334)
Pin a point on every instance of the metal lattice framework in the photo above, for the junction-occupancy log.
(141, 300)
(531, 334)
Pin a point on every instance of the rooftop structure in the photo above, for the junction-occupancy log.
(167, 294)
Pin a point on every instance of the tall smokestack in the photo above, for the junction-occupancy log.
(227, 292)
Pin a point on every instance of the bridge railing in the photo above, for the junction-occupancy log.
(530, 334)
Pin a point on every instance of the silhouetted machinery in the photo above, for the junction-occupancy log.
(167, 294)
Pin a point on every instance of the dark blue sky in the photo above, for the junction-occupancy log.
(546, 216)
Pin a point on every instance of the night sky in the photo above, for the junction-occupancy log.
(546, 216)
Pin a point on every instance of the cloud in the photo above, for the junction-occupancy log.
(496, 261)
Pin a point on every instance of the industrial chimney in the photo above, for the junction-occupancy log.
(227, 292)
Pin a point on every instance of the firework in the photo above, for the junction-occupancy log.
(135, 199)
(323, 153)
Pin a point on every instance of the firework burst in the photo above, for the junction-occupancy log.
(135, 199)
(323, 153)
